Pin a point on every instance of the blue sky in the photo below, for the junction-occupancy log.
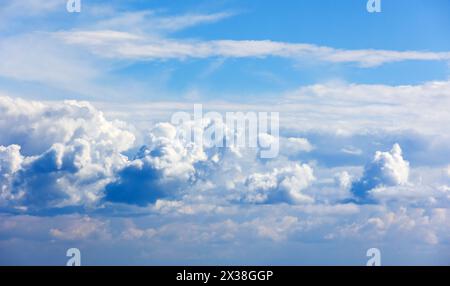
(402, 26)
(89, 156)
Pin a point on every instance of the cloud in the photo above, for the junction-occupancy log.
(161, 169)
(67, 154)
(343, 179)
(10, 162)
(50, 62)
(156, 47)
(10, 159)
(386, 169)
(58, 154)
(352, 151)
(447, 171)
(422, 226)
(31, 7)
(154, 22)
(170, 167)
(39, 125)
(13, 10)
(276, 230)
(81, 228)
(292, 145)
(281, 185)
(338, 109)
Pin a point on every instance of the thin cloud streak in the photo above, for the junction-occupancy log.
(106, 43)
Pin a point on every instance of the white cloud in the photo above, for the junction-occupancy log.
(294, 145)
(280, 185)
(386, 169)
(49, 62)
(342, 109)
(352, 151)
(152, 48)
(344, 180)
(10, 159)
(154, 22)
(10, 162)
(68, 154)
(81, 228)
(413, 224)
(77, 152)
(276, 230)
(39, 125)
(394, 170)
(57, 154)
(12, 10)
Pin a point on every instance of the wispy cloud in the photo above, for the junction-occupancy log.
(105, 43)
(48, 61)
(152, 22)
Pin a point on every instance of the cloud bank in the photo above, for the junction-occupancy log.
(68, 160)
(67, 154)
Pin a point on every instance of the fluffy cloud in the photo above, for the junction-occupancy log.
(280, 185)
(10, 162)
(58, 154)
(68, 154)
(163, 168)
(386, 169)
(172, 166)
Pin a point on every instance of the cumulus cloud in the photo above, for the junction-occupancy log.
(280, 185)
(386, 169)
(63, 155)
(57, 154)
(161, 169)
(10, 162)
(66, 154)
(171, 165)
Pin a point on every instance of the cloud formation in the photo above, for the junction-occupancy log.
(57, 154)
(105, 43)
(280, 185)
(387, 169)
(67, 157)
(67, 154)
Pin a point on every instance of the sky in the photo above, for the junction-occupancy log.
(90, 159)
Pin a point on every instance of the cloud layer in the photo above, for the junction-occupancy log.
(68, 158)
